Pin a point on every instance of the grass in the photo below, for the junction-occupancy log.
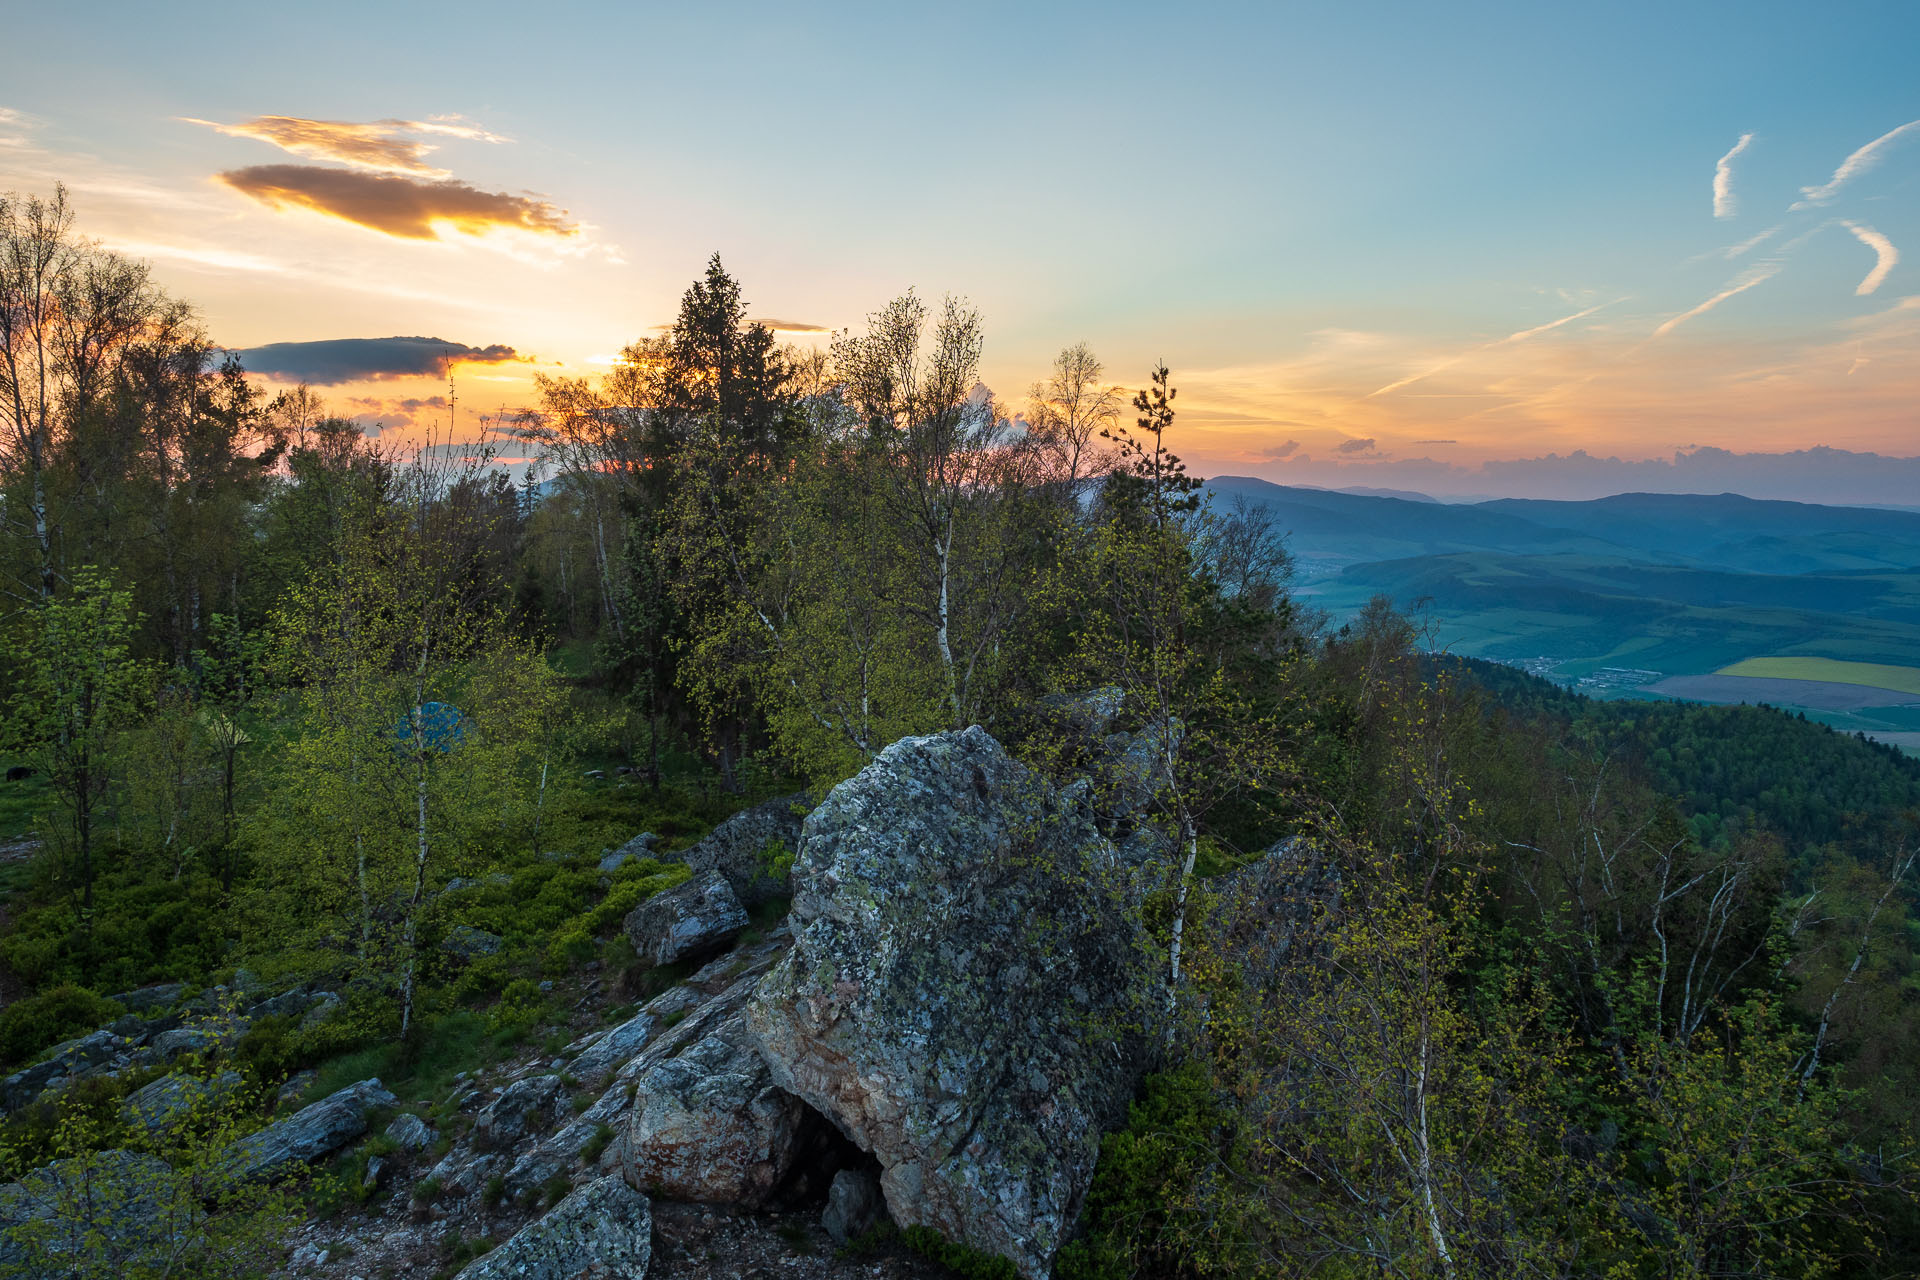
(21, 803)
(1874, 675)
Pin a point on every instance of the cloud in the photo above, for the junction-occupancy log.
(1854, 165)
(1436, 442)
(1759, 275)
(1356, 446)
(1724, 205)
(396, 205)
(1519, 336)
(1888, 255)
(1275, 453)
(336, 360)
(380, 146)
(1752, 242)
(794, 326)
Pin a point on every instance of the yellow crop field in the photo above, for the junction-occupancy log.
(1873, 674)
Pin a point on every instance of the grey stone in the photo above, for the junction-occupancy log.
(854, 1205)
(641, 846)
(739, 848)
(410, 1132)
(465, 942)
(308, 1133)
(710, 1125)
(75, 1059)
(295, 1088)
(160, 1103)
(284, 1005)
(123, 1197)
(325, 1005)
(683, 923)
(604, 1229)
(146, 999)
(376, 1173)
(613, 1048)
(522, 1106)
(970, 996)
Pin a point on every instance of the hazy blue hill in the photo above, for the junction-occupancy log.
(1734, 532)
(1327, 527)
(1597, 612)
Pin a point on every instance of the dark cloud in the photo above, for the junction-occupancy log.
(1355, 446)
(409, 208)
(337, 360)
(1436, 442)
(1279, 451)
(794, 326)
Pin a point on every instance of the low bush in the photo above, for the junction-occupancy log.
(41, 1021)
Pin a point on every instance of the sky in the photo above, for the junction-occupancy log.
(1550, 250)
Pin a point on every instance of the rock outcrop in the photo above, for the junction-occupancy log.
(308, 1133)
(709, 1124)
(604, 1229)
(687, 922)
(164, 1102)
(745, 847)
(967, 990)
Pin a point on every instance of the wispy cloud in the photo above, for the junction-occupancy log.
(1854, 165)
(1883, 247)
(1759, 275)
(1724, 204)
(1356, 446)
(397, 205)
(1519, 336)
(378, 146)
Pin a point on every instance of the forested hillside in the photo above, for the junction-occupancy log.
(353, 775)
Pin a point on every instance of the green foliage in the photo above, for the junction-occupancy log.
(958, 1258)
(45, 1019)
(1139, 1216)
(521, 1005)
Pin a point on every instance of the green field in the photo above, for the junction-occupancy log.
(1873, 674)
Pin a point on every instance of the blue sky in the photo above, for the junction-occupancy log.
(1492, 226)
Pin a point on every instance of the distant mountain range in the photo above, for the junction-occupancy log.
(1615, 593)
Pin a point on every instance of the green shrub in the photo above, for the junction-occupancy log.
(1140, 1216)
(521, 1005)
(41, 1021)
(959, 1258)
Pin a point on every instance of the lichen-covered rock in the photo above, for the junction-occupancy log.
(614, 1048)
(160, 1103)
(87, 1055)
(522, 1107)
(683, 923)
(604, 1229)
(308, 1133)
(854, 1205)
(147, 999)
(127, 1201)
(967, 992)
(745, 848)
(464, 942)
(410, 1132)
(708, 1124)
(641, 846)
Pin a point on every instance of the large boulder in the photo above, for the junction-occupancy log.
(523, 1107)
(970, 992)
(614, 1048)
(747, 848)
(686, 922)
(160, 1104)
(307, 1134)
(603, 1229)
(88, 1055)
(112, 1207)
(709, 1125)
